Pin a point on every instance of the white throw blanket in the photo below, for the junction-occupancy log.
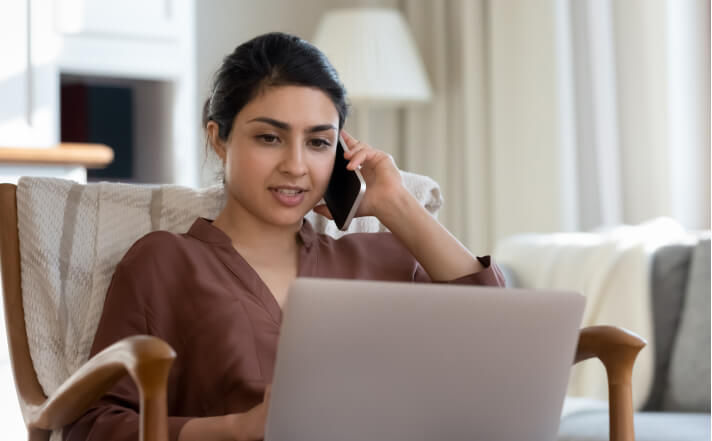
(612, 269)
(72, 236)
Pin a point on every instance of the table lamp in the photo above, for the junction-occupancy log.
(376, 58)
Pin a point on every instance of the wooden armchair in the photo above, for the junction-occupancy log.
(148, 360)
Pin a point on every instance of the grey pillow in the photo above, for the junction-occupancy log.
(671, 267)
(689, 377)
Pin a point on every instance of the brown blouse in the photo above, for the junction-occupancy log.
(197, 293)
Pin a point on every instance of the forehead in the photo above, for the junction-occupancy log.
(297, 105)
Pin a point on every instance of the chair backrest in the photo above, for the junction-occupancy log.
(61, 242)
(29, 391)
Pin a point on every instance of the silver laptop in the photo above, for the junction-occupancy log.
(385, 361)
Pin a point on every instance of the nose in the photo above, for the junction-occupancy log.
(293, 162)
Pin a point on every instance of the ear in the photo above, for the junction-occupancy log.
(213, 132)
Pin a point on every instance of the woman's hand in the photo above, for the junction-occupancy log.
(250, 426)
(379, 170)
(442, 256)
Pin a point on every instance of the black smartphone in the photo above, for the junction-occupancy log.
(345, 190)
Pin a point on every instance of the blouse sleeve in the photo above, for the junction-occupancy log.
(490, 275)
(115, 416)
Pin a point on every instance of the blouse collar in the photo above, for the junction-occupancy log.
(204, 230)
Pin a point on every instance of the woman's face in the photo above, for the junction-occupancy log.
(280, 152)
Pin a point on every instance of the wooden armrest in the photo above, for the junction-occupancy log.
(146, 359)
(617, 349)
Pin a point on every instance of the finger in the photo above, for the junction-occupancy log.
(358, 148)
(361, 147)
(350, 154)
(268, 393)
(351, 142)
(360, 158)
(347, 137)
(355, 148)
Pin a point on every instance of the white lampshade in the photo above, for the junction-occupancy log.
(375, 55)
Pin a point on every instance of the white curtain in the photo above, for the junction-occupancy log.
(448, 138)
(642, 104)
(561, 115)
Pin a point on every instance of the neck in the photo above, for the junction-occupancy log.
(249, 234)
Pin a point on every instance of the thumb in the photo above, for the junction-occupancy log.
(268, 393)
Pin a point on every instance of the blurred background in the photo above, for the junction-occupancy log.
(532, 115)
(547, 115)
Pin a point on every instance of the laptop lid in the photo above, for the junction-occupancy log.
(364, 360)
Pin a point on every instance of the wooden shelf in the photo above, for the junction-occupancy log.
(87, 155)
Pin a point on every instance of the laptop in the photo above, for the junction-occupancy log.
(388, 361)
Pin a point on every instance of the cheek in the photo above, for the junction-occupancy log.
(241, 166)
(322, 173)
(233, 173)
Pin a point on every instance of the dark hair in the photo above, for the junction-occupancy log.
(273, 59)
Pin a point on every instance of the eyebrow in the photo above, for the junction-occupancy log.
(285, 126)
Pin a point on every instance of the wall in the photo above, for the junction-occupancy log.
(28, 76)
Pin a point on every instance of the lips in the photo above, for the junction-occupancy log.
(289, 196)
(288, 191)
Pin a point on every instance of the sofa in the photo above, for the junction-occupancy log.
(678, 405)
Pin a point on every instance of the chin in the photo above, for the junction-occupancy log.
(289, 216)
(287, 220)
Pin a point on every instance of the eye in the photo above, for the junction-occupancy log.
(320, 143)
(268, 139)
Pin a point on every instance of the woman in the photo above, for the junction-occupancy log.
(215, 293)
